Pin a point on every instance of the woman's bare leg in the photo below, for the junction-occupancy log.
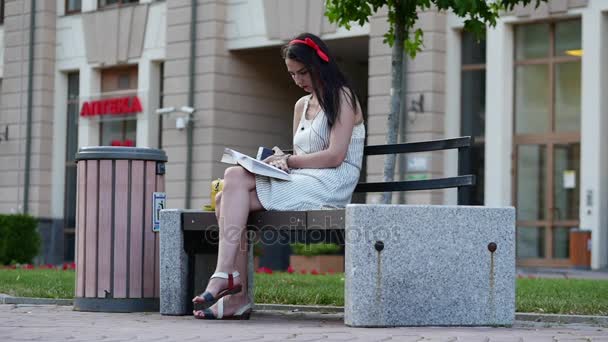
(234, 204)
(235, 208)
(242, 256)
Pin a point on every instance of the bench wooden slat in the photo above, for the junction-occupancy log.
(426, 184)
(201, 221)
(277, 219)
(423, 146)
(325, 219)
(285, 220)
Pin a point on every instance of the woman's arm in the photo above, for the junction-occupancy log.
(297, 113)
(339, 139)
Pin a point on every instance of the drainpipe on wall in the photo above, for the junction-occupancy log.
(190, 128)
(403, 125)
(30, 93)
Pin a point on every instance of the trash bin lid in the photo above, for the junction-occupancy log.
(120, 152)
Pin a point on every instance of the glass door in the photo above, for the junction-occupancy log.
(546, 149)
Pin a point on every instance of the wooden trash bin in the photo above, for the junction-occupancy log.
(117, 251)
(580, 251)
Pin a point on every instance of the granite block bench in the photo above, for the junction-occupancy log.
(188, 248)
(409, 265)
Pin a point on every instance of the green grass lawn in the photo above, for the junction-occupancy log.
(304, 289)
(37, 283)
(564, 296)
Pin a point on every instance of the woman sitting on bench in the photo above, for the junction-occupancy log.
(328, 150)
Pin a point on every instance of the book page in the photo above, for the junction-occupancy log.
(227, 157)
(253, 165)
(263, 169)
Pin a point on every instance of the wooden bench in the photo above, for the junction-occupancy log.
(198, 230)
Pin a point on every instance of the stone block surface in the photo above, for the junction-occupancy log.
(173, 264)
(435, 267)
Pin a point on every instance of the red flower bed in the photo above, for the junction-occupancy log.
(264, 270)
(67, 266)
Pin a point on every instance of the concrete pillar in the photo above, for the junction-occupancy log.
(90, 86)
(594, 107)
(499, 115)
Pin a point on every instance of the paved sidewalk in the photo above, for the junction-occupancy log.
(60, 323)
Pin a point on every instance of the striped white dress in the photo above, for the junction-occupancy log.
(314, 188)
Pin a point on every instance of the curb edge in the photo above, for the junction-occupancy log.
(519, 316)
(35, 301)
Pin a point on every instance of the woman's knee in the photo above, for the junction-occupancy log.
(237, 177)
(218, 199)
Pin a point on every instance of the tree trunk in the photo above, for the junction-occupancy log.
(392, 126)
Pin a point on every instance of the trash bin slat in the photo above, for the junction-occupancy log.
(136, 235)
(105, 229)
(90, 261)
(121, 215)
(81, 228)
(150, 176)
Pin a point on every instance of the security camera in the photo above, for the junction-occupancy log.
(187, 109)
(165, 110)
(181, 122)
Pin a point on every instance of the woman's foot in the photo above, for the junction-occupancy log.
(229, 307)
(220, 284)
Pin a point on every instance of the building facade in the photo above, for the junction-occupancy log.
(137, 73)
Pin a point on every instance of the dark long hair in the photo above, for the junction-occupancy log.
(328, 80)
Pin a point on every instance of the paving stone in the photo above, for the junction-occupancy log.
(60, 323)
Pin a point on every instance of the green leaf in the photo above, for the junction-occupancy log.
(477, 15)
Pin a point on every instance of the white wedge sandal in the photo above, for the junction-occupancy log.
(207, 297)
(241, 314)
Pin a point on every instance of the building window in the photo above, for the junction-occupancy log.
(1, 12)
(472, 110)
(109, 3)
(546, 138)
(71, 148)
(119, 130)
(73, 6)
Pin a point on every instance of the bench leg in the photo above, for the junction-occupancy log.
(173, 264)
(250, 267)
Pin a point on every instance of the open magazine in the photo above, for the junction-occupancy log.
(252, 165)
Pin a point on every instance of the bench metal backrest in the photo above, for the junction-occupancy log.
(462, 180)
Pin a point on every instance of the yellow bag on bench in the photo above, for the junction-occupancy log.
(216, 186)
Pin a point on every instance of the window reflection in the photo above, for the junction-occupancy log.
(531, 99)
(568, 97)
(531, 169)
(472, 111)
(530, 242)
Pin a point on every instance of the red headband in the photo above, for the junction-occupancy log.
(313, 45)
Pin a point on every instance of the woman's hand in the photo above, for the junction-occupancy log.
(278, 159)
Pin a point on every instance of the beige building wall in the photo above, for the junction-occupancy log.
(424, 75)
(13, 107)
(243, 99)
